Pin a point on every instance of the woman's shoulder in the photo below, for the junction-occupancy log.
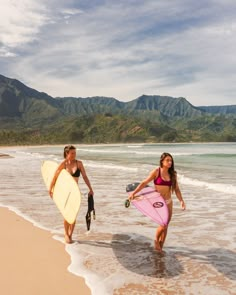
(155, 171)
(62, 165)
(79, 162)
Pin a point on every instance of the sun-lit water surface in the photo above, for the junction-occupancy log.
(117, 256)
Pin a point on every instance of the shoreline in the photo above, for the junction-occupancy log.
(33, 262)
(114, 144)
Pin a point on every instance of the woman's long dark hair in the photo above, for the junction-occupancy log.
(171, 170)
(67, 148)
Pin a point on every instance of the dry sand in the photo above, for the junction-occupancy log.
(32, 262)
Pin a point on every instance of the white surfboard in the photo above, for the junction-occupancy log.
(66, 193)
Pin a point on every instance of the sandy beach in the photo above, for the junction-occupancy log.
(32, 262)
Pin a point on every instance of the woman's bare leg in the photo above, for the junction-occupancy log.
(67, 232)
(159, 233)
(163, 234)
(163, 237)
(71, 229)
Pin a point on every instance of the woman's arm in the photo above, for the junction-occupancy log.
(61, 166)
(142, 184)
(85, 177)
(179, 195)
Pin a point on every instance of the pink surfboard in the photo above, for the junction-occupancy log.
(150, 203)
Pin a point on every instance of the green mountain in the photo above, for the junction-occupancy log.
(23, 105)
(167, 106)
(87, 106)
(228, 109)
(31, 117)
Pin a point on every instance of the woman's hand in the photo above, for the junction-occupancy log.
(91, 193)
(51, 193)
(131, 196)
(182, 204)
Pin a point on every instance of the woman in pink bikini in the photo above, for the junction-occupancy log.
(165, 181)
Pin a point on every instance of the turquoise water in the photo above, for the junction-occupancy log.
(117, 255)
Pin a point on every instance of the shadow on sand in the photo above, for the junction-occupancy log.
(136, 253)
(223, 260)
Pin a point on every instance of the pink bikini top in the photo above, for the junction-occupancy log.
(160, 181)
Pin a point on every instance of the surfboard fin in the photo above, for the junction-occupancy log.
(132, 186)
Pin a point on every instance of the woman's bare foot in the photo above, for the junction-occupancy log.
(161, 244)
(68, 239)
(157, 246)
(71, 238)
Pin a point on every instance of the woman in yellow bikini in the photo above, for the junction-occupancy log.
(165, 181)
(75, 168)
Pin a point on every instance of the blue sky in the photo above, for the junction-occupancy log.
(122, 49)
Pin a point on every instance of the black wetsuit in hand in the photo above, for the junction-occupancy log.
(90, 209)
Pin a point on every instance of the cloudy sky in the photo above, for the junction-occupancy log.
(122, 49)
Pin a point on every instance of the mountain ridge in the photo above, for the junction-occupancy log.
(146, 118)
(170, 106)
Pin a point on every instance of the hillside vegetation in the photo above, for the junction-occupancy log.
(31, 117)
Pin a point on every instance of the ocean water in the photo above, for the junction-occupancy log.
(117, 255)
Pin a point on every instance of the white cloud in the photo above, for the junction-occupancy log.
(4, 52)
(126, 48)
(69, 12)
(20, 21)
